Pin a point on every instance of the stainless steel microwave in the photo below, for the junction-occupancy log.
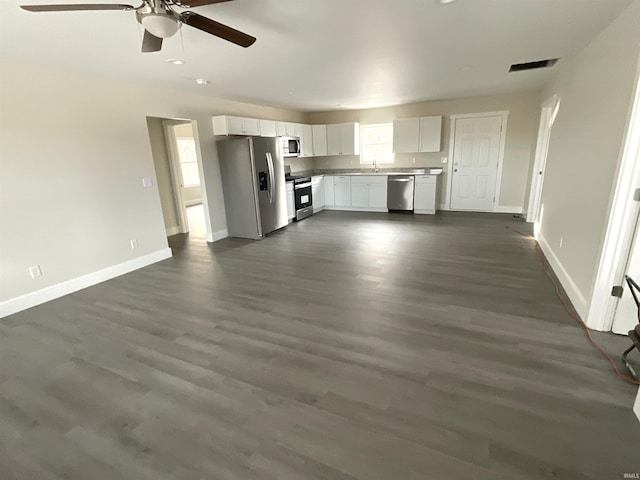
(290, 146)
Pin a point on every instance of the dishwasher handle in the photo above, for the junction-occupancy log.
(401, 179)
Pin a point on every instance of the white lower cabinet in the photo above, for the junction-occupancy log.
(291, 203)
(342, 191)
(425, 194)
(317, 193)
(369, 192)
(329, 191)
(378, 195)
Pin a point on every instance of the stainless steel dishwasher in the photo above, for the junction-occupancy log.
(400, 192)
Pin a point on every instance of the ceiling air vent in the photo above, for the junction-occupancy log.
(518, 67)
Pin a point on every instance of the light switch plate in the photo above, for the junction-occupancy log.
(134, 243)
(146, 182)
(444, 159)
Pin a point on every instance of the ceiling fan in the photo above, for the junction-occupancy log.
(160, 20)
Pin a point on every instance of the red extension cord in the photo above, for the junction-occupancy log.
(569, 310)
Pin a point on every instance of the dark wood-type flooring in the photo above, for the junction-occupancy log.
(348, 346)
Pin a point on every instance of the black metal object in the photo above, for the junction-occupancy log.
(634, 334)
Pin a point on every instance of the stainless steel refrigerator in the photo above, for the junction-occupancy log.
(255, 196)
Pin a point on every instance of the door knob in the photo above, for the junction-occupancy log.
(455, 169)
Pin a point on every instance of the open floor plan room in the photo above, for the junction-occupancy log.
(348, 346)
(305, 240)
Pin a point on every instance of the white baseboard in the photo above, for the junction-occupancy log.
(172, 230)
(219, 235)
(14, 305)
(355, 209)
(575, 295)
(636, 406)
(425, 212)
(502, 209)
(498, 209)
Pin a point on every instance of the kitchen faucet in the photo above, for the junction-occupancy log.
(375, 165)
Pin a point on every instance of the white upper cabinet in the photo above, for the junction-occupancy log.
(343, 139)
(267, 128)
(412, 135)
(306, 141)
(227, 125)
(406, 135)
(285, 129)
(319, 144)
(430, 133)
(334, 140)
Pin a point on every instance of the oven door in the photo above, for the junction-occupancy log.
(302, 194)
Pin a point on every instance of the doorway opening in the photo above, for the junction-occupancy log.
(180, 178)
(548, 115)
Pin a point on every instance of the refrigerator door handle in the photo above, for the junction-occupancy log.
(271, 176)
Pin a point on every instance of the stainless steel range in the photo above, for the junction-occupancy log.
(302, 195)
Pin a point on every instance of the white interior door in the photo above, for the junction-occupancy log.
(626, 313)
(476, 156)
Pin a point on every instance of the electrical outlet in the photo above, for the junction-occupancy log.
(146, 182)
(414, 159)
(134, 243)
(561, 240)
(444, 159)
(35, 271)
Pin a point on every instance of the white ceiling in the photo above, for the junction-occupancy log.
(318, 54)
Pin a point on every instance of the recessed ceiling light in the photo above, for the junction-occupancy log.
(174, 61)
(444, 2)
(202, 81)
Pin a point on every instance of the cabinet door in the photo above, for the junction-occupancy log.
(306, 141)
(317, 188)
(329, 191)
(342, 191)
(267, 128)
(281, 129)
(250, 126)
(291, 204)
(334, 139)
(360, 195)
(430, 133)
(425, 194)
(406, 135)
(350, 139)
(234, 126)
(378, 195)
(319, 140)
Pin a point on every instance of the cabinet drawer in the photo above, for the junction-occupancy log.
(338, 179)
(425, 179)
(289, 186)
(316, 180)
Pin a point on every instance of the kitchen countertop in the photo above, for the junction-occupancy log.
(369, 171)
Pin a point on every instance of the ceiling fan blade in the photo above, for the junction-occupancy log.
(151, 43)
(76, 7)
(218, 29)
(197, 3)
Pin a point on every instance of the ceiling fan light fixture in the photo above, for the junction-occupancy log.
(160, 25)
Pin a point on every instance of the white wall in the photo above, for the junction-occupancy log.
(520, 142)
(595, 91)
(73, 151)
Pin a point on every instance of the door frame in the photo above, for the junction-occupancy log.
(452, 140)
(547, 117)
(176, 175)
(621, 225)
